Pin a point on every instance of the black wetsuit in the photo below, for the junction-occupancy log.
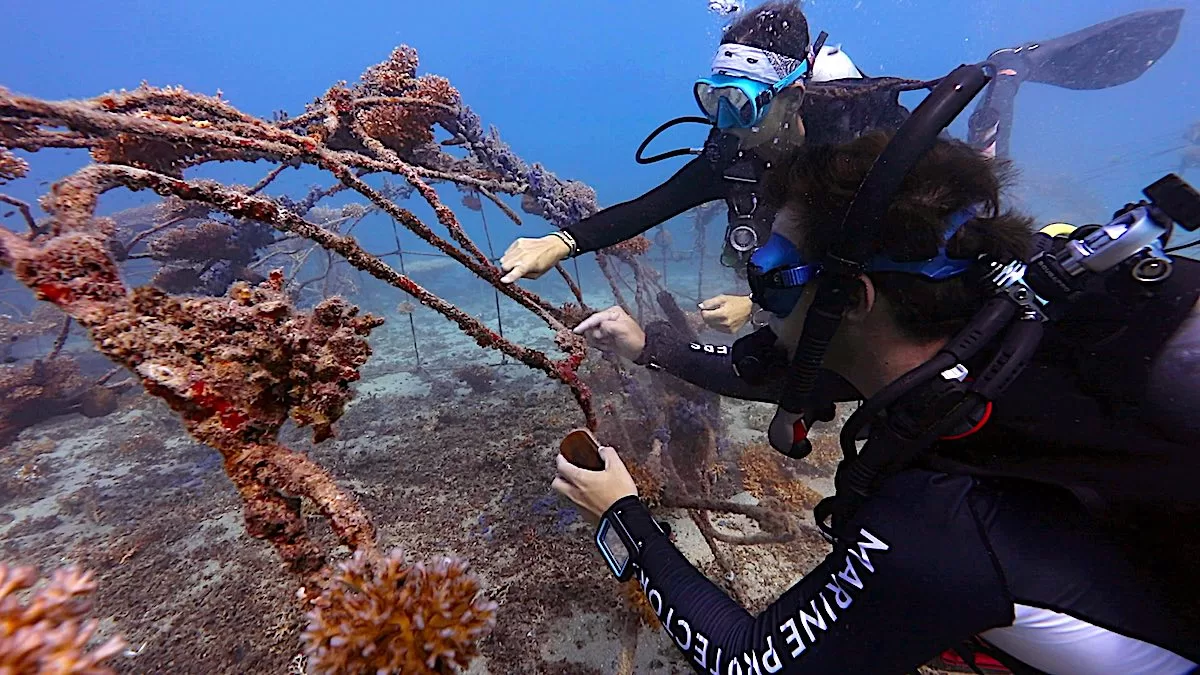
(943, 552)
(726, 173)
(937, 560)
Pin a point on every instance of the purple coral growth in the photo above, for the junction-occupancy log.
(636, 392)
(562, 516)
(690, 416)
(560, 202)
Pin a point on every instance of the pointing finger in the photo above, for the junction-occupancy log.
(590, 322)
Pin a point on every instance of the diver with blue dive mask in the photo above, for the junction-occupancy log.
(778, 275)
(1105, 55)
(753, 104)
(770, 91)
(1018, 495)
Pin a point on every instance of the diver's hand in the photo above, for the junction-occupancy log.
(531, 258)
(614, 331)
(595, 491)
(727, 313)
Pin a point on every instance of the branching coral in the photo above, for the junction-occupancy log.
(629, 248)
(11, 166)
(208, 256)
(764, 475)
(46, 389)
(404, 125)
(49, 633)
(212, 130)
(234, 368)
(389, 616)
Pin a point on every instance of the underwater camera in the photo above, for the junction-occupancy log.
(1126, 255)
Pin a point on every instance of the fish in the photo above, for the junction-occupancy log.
(834, 64)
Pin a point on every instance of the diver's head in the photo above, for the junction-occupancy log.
(916, 293)
(754, 90)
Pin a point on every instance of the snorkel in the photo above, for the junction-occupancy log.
(850, 255)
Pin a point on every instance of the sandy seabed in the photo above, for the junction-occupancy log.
(447, 461)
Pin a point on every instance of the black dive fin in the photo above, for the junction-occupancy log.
(1104, 55)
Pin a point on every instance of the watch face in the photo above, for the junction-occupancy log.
(616, 554)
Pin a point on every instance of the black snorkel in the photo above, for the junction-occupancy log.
(847, 259)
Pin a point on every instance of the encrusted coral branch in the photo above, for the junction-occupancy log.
(46, 389)
(147, 137)
(234, 368)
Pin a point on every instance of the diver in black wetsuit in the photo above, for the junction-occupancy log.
(995, 531)
(768, 46)
(833, 103)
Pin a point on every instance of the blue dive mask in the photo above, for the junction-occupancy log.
(744, 82)
(777, 273)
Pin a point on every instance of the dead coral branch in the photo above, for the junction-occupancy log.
(146, 138)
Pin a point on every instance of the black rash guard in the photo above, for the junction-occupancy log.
(935, 560)
(711, 366)
(698, 182)
(708, 366)
(940, 558)
(827, 120)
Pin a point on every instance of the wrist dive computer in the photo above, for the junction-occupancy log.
(616, 544)
(616, 539)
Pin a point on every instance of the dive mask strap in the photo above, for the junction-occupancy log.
(939, 267)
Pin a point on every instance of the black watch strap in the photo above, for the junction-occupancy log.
(638, 521)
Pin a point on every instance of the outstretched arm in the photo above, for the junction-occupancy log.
(707, 366)
(711, 366)
(695, 184)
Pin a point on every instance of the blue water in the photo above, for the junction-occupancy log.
(576, 85)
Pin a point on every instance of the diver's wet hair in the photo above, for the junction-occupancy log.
(818, 182)
(778, 27)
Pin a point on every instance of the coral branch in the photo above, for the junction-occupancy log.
(236, 367)
(65, 204)
(34, 230)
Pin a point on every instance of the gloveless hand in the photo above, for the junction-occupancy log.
(595, 491)
(727, 313)
(613, 331)
(531, 258)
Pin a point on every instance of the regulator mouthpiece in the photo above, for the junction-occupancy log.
(789, 434)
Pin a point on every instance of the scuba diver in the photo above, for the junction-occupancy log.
(753, 100)
(770, 91)
(1018, 494)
